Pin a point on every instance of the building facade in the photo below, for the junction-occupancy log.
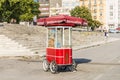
(69, 5)
(97, 8)
(113, 13)
(62, 6)
(106, 11)
(44, 8)
(118, 13)
(55, 7)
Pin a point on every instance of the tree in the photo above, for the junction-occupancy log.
(5, 10)
(29, 10)
(95, 24)
(23, 10)
(84, 12)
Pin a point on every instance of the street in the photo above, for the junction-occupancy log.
(95, 63)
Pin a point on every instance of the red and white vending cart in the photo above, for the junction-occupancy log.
(59, 42)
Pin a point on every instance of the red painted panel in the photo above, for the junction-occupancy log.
(62, 56)
(59, 56)
(50, 55)
(59, 52)
(59, 60)
(67, 56)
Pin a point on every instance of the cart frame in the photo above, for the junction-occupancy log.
(58, 54)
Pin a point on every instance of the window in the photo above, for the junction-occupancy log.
(95, 2)
(118, 10)
(119, 25)
(111, 7)
(95, 14)
(100, 1)
(44, 9)
(101, 7)
(118, 1)
(111, 13)
(95, 17)
(44, 4)
(101, 14)
(43, 1)
(83, 3)
(95, 10)
(89, 4)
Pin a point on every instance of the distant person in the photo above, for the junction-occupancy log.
(106, 34)
(35, 20)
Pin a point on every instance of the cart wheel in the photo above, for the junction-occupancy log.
(53, 67)
(73, 66)
(45, 65)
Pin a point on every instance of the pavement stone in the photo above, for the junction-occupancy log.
(107, 40)
(42, 52)
(33, 38)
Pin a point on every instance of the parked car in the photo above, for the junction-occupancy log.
(118, 28)
(113, 31)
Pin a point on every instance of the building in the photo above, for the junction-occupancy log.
(113, 13)
(44, 8)
(69, 5)
(55, 7)
(55, 3)
(97, 8)
(106, 11)
(62, 6)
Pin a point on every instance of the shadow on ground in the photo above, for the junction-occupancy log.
(82, 60)
(77, 61)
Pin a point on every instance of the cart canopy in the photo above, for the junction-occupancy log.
(61, 20)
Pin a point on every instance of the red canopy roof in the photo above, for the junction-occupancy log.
(61, 20)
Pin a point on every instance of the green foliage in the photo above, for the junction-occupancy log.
(26, 17)
(95, 24)
(84, 12)
(23, 10)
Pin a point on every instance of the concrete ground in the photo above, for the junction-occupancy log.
(94, 63)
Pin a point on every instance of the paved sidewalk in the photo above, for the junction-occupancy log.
(92, 44)
(106, 40)
(87, 45)
(98, 63)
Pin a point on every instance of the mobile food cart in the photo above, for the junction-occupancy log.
(59, 43)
